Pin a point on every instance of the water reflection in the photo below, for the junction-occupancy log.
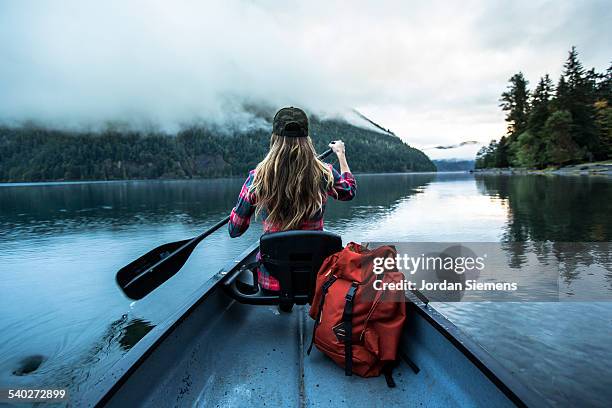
(65, 207)
(553, 208)
(377, 195)
(565, 219)
(558, 349)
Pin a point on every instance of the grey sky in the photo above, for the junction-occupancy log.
(430, 71)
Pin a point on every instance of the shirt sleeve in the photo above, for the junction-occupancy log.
(240, 217)
(345, 186)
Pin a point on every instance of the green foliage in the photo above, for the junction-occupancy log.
(603, 121)
(31, 153)
(526, 149)
(560, 146)
(541, 104)
(515, 101)
(555, 127)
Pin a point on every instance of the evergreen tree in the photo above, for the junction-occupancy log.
(532, 144)
(603, 113)
(479, 163)
(603, 122)
(501, 155)
(580, 104)
(515, 101)
(562, 96)
(528, 150)
(487, 156)
(541, 103)
(604, 87)
(561, 147)
(570, 126)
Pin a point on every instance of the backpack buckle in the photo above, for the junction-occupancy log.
(351, 293)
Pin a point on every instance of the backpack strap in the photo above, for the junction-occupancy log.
(252, 265)
(347, 320)
(388, 372)
(324, 290)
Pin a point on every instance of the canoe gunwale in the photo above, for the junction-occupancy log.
(137, 355)
(499, 375)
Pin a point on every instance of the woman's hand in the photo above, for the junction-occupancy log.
(337, 147)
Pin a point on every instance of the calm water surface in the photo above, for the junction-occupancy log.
(62, 316)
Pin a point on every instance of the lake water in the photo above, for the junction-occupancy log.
(62, 315)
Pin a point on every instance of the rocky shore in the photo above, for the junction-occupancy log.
(595, 168)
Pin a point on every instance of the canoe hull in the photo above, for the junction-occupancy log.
(218, 352)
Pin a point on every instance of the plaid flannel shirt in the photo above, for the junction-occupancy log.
(343, 188)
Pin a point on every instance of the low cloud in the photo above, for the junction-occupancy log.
(430, 71)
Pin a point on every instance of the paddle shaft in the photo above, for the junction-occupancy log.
(188, 245)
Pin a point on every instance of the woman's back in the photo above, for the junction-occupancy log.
(343, 188)
(290, 186)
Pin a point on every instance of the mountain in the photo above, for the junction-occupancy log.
(454, 165)
(32, 153)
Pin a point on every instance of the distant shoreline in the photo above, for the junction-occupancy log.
(595, 168)
(69, 182)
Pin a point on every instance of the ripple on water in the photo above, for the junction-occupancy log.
(545, 344)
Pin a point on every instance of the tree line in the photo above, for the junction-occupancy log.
(554, 125)
(35, 153)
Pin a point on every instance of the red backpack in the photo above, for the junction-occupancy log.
(346, 302)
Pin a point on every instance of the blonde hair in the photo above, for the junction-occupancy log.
(290, 183)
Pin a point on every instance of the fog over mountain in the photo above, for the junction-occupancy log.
(430, 71)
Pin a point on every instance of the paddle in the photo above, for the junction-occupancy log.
(142, 276)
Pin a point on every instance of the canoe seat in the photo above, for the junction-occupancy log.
(292, 257)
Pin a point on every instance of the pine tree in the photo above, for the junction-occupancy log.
(580, 104)
(573, 70)
(603, 113)
(561, 147)
(573, 125)
(515, 101)
(603, 121)
(501, 159)
(561, 101)
(531, 144)
(541, 103)
(604, 87)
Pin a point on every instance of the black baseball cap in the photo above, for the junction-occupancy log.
(290, 122)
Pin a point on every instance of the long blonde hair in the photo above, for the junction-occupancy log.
(290, 183)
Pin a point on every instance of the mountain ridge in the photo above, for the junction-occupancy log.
(454, 164)
(31, 153)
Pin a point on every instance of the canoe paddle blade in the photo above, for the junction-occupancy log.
(142, 276)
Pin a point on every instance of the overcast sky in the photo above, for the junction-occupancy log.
(430, 71)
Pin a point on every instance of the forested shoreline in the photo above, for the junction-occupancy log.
(34, 153)
(554, 125)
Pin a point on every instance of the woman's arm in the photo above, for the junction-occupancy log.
(240, 217)
(345, 186)
(338, 148)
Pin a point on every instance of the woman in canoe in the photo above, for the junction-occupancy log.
(290, 186)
